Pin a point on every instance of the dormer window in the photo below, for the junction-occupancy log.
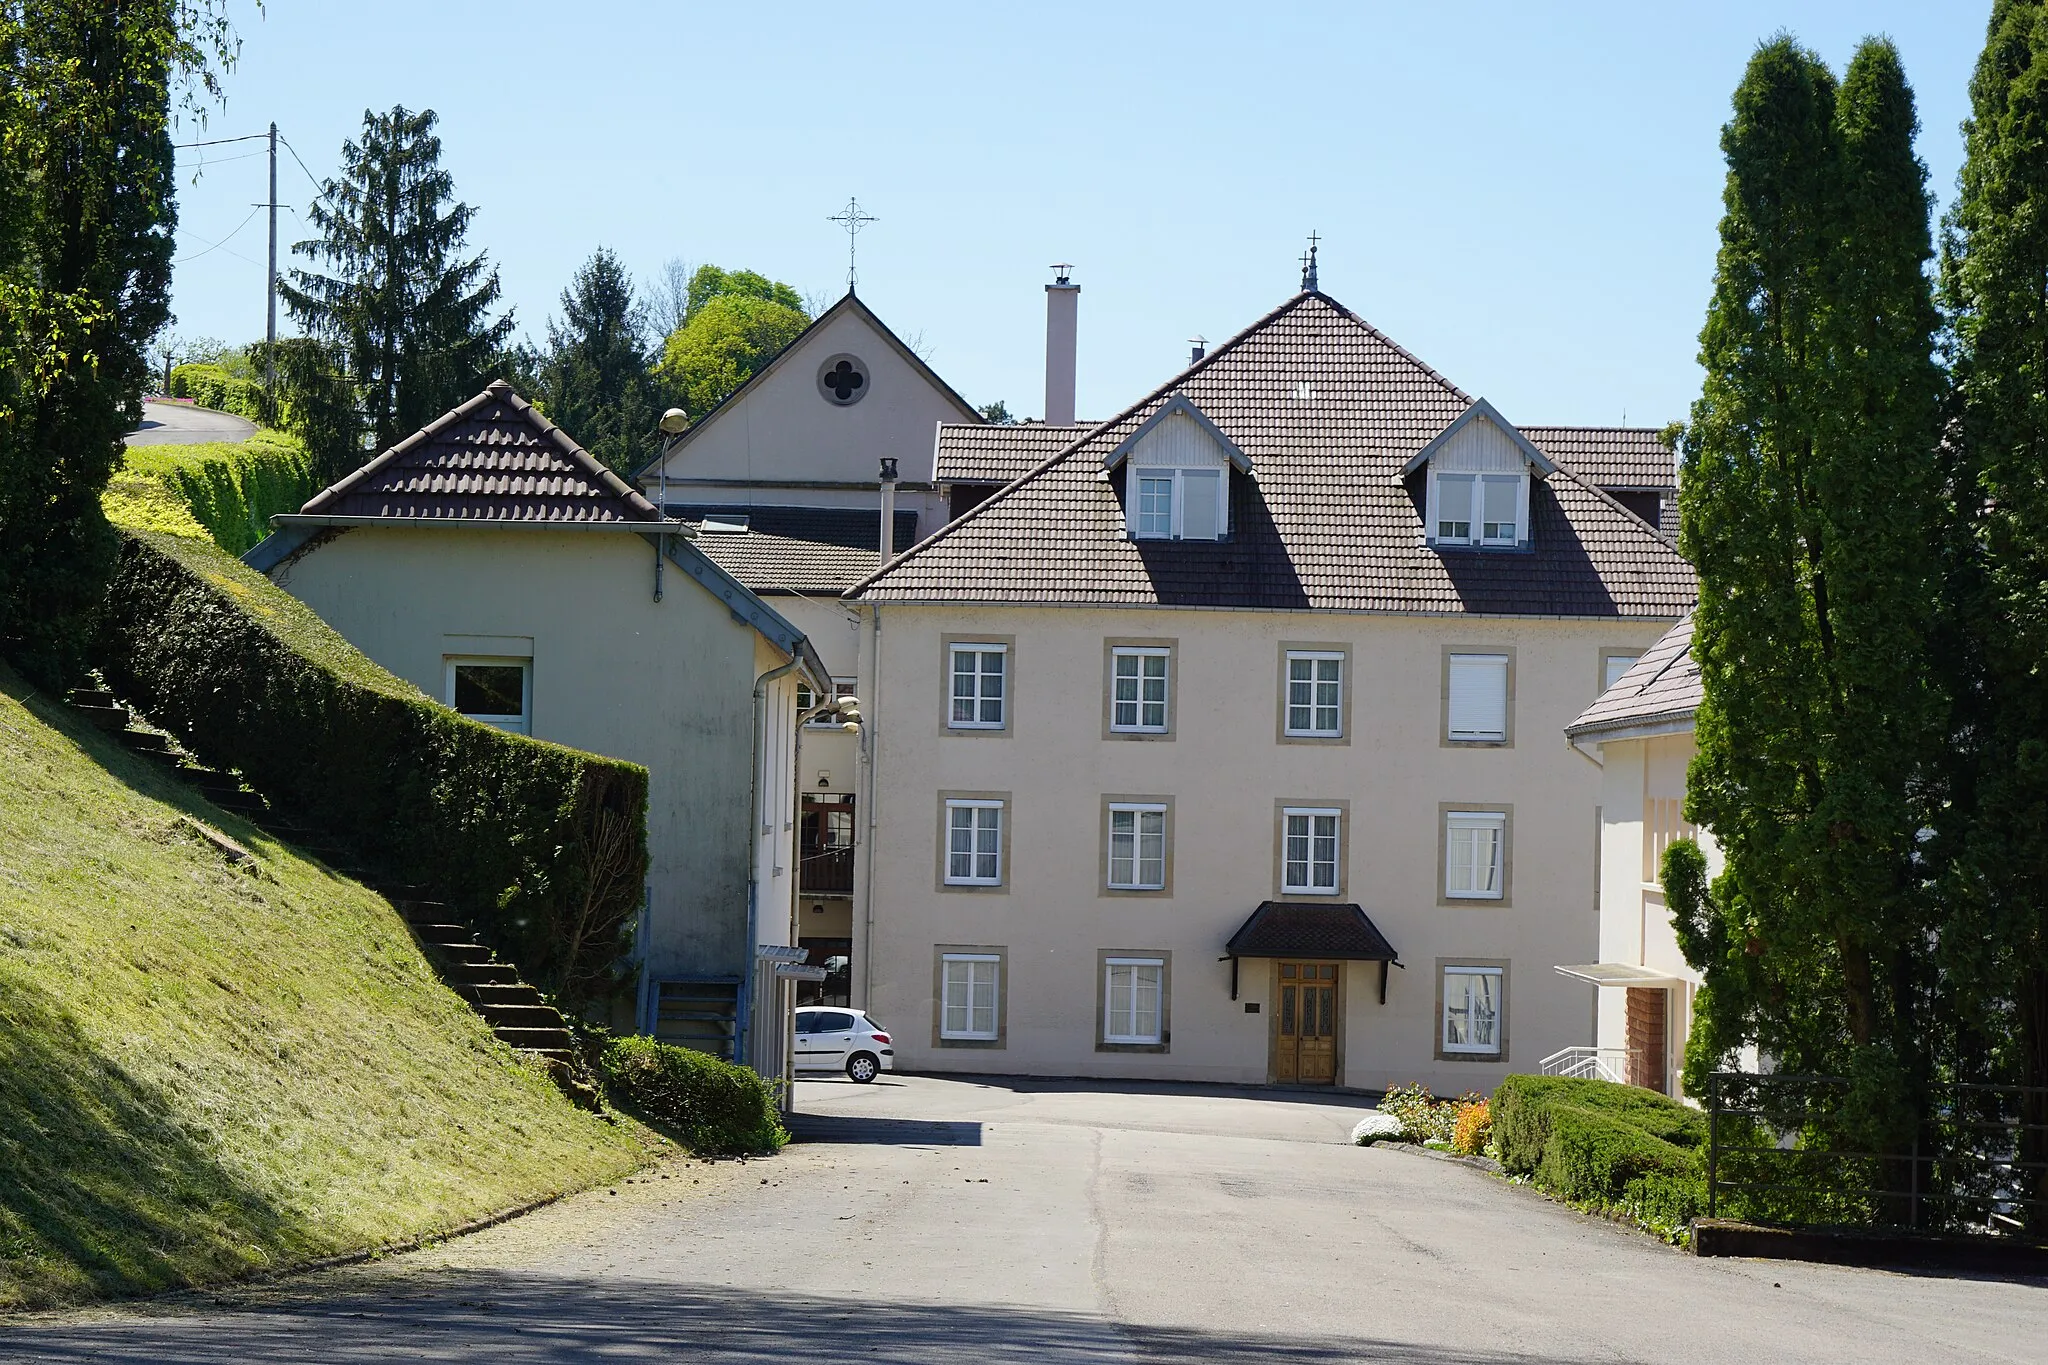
(1179, 504)
(1478, 471)
(1177, 475)
(1479, 509)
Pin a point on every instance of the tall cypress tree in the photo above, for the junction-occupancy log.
(1995, 257)
(86, 223)
(1807, 504)
(408, 309)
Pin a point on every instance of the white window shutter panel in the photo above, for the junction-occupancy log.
(1479, 696)
(1201, 504)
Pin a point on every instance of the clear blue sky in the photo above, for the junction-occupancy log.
(1523, 195)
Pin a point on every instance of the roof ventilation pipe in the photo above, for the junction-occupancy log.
(1198, 346)
(1062, 310)
(888, 540)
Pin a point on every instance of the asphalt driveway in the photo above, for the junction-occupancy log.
(932, 1220)
(182, 424)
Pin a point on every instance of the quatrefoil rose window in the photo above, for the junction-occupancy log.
(843, 380)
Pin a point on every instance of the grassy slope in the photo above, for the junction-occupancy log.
(206, 1070)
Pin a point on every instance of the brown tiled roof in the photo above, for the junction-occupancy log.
(1310, 929)
(811, 551)
(493, 459)
(1000, 454)
(1610, 457)
(1328, 410)
(1662, 687)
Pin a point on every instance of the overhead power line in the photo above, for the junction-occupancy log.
(221, 245)
(220, 141)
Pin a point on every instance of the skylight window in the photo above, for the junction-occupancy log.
(724, 523)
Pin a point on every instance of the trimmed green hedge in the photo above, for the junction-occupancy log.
(210, 386)
(714, 1108)
(1617, 1148)
(226, 490)
(542, 847)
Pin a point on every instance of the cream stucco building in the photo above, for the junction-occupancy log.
(1640, 733)
(496, 565)
(1223, 743)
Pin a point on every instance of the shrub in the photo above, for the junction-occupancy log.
(1616, 1148)
(1378, 1127)
(212, 386)
(1473, 1128)
(228, 491)
(543, 848)
(712, 1107)
(1425, 1117)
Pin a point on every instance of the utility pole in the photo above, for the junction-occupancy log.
(270, 279)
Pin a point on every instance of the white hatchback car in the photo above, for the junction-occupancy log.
(833, 1038)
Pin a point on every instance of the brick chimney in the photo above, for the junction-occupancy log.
(1062, 309)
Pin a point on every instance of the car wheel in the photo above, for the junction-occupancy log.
(862, 1067)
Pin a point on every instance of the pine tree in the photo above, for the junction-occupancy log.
(1994, 258)
(1809, 505)
(594, 379)
(408, 310)
(86, 223)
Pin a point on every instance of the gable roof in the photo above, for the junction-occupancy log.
(494, 458)
(982, 452)
(1329, 411)
(1610, 457)
(1659, 693)
(1481, 409)
(803, 551)
(848, 303)
(1177, 403)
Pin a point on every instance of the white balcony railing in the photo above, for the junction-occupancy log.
(1590, 1063)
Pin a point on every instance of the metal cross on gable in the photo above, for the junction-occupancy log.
(853, 220)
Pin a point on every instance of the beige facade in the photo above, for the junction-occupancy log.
(670, 684)
(1048, 956)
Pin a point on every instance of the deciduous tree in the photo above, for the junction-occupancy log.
(736, 322)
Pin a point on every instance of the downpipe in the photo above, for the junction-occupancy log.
(750, 974)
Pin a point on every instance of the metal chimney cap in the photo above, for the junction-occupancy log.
(1062, 273)
(888, 469)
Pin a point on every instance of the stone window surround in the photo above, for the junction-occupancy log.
(1344, 691)
(1437, 1019)
(1001, 953)
(1164, 956)
(1110, 646)
(1446, 809)
(1102, 886)
(1443, 724)
(1002, 886)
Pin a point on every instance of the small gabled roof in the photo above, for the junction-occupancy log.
(848, 303)
(1659, 694)
(1481, 408)
(494, 459)
(1178, 403)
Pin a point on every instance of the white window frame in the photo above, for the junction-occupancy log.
(1475, 532)
(1177, 518)
(1129, 1035)
(1137, 810)
(1506, 670)
(1314, 658)
(1288, 815)
(976, 827)
(521, 724)
(1610, 674)
(842, 688)
(994, 985)
(1138, 654)
(979, 698)
(1464, 826)
(1462, 1003)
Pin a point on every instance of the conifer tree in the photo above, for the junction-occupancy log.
(1809, 505)
(407, 308)
(1994, 259)
(594, 379)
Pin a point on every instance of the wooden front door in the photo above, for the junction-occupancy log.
(1305, 1031)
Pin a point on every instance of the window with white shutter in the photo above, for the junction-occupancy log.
(1476, 709)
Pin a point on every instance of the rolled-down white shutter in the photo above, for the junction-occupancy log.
(1479, 696)
(1201, 515)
